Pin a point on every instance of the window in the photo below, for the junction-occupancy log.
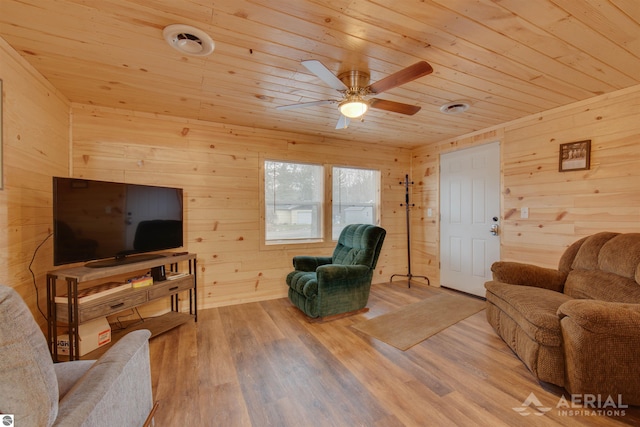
(356, 196)
(293, 201)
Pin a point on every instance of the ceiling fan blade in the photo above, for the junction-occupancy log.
(401, 77)
(343, 122)
(306, 104)
(318, 68)
(395, 107)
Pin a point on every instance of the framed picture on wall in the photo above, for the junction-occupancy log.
(575, 156)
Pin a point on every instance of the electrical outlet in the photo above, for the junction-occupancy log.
(524, 213)
(429, 212)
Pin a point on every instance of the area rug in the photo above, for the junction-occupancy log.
(414, 323)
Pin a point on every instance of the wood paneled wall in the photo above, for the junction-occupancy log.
(219, 168)
(35, 130)
(563, 206)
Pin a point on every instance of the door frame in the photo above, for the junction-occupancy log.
(500, 200)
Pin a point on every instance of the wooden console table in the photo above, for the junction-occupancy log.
(73, 314)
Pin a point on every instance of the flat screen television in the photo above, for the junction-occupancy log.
(112, 223)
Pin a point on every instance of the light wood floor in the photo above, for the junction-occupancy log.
(264, 364)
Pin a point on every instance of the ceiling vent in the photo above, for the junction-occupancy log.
(455, 107)
(188, 40)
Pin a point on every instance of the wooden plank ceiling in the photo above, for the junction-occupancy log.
(506, 58)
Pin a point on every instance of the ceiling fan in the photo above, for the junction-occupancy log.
(354, 87)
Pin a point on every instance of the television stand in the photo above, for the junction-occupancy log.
(67, 315)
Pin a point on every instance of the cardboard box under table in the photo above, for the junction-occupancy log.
(93, 334)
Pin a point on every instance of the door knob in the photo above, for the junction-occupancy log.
(494, 229)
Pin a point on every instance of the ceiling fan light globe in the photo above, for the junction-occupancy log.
(353, 109)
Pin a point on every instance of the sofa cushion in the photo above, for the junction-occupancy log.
(621, 255)
(569, 255)
(359, 244)
(68, 373)
(606, 267)
(532, 309)
(601, 285)
(545, 362)
(29, 388)
(587, 256)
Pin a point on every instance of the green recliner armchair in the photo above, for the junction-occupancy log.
(326, 286)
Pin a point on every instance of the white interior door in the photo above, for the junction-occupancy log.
(470, 212)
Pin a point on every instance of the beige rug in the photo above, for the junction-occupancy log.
(414, 323)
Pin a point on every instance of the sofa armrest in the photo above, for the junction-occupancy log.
(601, 345)
(602, 317)
(516, 273)
(342, 288)
(339, 275)
(115, 391)
(309, 263)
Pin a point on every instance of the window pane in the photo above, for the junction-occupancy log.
(293, 201)
(356, 196)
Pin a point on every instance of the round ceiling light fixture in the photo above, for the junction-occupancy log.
(353, 107)
(188, 40)
(455, 107)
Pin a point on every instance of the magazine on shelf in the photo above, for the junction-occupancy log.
(94, 292)
(172, 275)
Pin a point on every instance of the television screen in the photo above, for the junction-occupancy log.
(100, 220)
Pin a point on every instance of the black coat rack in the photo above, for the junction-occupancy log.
(408, 207)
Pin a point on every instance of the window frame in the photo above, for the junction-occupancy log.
(263, 206)
(326, 222)
(376, 203)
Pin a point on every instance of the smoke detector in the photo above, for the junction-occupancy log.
(188, 40)
(455, 107)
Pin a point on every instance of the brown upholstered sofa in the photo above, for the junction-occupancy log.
(578, 326)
